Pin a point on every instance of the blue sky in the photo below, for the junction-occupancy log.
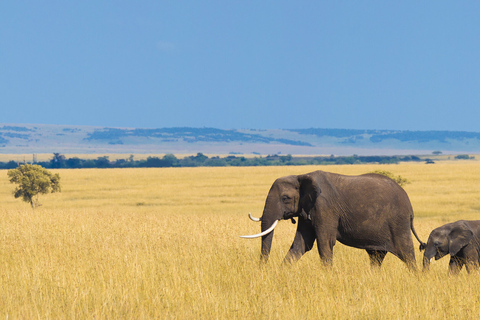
(406, 65)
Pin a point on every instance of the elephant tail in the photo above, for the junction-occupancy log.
(423, 245)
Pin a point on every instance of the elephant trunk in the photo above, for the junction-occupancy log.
(266, 239)
(272, 213)
(430, 251)
(426, 263)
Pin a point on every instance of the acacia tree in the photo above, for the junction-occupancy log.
(33, 180)
(398, 179)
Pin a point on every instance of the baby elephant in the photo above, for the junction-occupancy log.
(460, 239)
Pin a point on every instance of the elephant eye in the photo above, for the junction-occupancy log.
(286, 199)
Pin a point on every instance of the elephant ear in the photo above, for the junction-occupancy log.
(459, 237)
(309, 191)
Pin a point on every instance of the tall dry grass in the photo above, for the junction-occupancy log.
(163, 244)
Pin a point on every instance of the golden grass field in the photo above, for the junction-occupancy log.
(163, 244)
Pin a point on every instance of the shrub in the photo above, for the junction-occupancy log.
(398, 179)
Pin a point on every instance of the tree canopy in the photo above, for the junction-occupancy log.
(33, 180)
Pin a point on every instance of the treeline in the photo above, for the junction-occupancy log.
(200, 160)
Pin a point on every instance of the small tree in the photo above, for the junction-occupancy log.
(398, 179)
(58, 161)
(33, 180)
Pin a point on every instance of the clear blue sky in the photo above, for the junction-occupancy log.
(408, 65)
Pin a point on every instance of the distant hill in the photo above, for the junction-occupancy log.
(28, 138)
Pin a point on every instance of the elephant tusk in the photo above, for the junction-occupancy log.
(253, 218)
(263, 233)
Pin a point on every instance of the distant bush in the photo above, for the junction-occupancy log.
(398, 179)
(464, 157)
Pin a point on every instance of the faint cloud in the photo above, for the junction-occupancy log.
(166, 46)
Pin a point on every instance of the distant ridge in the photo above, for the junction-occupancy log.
(31, 138)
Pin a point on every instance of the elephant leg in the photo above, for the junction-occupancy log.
(376, 257)
(303, 242)
(406, 252)
(409, 260)
(471, 266)
(471, 258)
(455, 265)
(325, 243)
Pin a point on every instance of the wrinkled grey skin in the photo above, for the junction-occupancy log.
(370, 212)
(460, 239)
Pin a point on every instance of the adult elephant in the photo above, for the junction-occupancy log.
(460, 239)
(369, 211)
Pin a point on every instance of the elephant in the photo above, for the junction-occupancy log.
(460, 239)
(369, 211)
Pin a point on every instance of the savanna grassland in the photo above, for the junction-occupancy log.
(163, 244)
